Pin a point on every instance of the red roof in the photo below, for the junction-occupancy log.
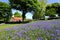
(16, 19)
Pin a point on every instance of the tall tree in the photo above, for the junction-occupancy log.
(51, 12)
(57, 7)
(5, 11)
(40, 13)
(26, 5)
(53, 9)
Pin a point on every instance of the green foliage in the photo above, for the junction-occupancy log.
(17, 14)
(5, 11)
(53, 9)
(3, 4)
(56, 5)
(41, 7)
(39, 15)
(27, 5)
(51, 12)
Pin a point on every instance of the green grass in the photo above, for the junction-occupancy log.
(3, 26)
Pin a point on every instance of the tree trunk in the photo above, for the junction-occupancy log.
(23, 16)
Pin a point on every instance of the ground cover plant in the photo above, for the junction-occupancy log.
(39, 30)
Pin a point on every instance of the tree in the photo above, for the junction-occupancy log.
(58, 10)
(5, 11)
(51, 12)
(26, 5)
(40, 13)
(17, 14)
(53, 9)
(57, 6)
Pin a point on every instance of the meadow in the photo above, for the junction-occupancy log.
(39, 30)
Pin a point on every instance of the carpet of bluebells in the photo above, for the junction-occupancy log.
(39, 30)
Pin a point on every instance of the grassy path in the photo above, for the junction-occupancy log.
(3, 26)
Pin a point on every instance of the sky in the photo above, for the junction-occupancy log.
(52, 1)
(29, 15)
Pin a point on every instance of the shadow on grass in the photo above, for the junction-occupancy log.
(15, 22)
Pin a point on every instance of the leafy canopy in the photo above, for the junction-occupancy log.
(5, 11)
(41, 7)
(53, 9)
(28, 5)
(3, 4)
(17, 14)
